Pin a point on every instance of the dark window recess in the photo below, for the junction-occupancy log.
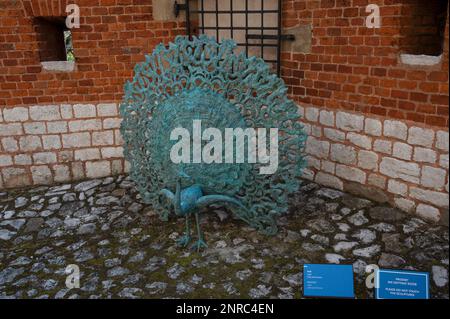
(423, 27)
(54, 39)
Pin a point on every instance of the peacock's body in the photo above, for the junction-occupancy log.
(202, 80)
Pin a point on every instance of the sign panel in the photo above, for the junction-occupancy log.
(327, 280)
(402, 284)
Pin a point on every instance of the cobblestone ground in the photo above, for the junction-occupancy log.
(123, 250)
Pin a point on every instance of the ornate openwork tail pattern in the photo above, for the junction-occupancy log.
(202, 79)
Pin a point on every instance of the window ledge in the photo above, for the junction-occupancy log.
(62, 66)
(422, 60)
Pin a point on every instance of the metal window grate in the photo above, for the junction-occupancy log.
(255, 25)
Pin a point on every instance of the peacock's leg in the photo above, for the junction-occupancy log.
(184, 240)
(200, 243)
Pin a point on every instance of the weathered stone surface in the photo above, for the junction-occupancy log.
(317, 147)
(436, 198)
(386, 213)
(373, 127)
(433, 177)
(389, 260)
(103, 226)
(420, 136)
(33, 224)
(329, 180)
(395, 129)
(349, 122)
(343, 154)
(442, 140)
(406, 171)
(440, 276)
(428, 212)
(367, 251)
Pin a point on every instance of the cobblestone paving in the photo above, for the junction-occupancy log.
(123, 250)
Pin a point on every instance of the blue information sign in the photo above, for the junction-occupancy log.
(326, 280)
(402, 284)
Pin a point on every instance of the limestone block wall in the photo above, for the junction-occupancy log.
(402, 163)
(46, 144)
(386, 160)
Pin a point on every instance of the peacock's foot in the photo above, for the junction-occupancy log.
(199, 244)
(183, 241)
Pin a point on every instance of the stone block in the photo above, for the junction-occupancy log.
(5, 160)
(424, 155)
(404, 204)
(360, 140)
(368, 160)
(442, 140)
(11, 129)
(45, 113)
(350, 173)
(397, 187)
(110, 123)
(383, 146)
(44, 158)
(10, 144)
(312, 114)
(98, 169)
(433, 177)
(107, 109)
(66, 111)
(427, 196)
(329, 180)
(75, 140)
(303, 39)
(326, 118)
(30, 143)
(373, 127)
(421, 136)
(113, 152)
(334, 135)
(84, 110)
(377, 180)
(57, 127)
(349, 122)
(22, 159)
(15, 177)
(85, 125)
(87, 154)
(343, 154)
(51, 142)
(15, 114)
(62, 173)
(402, 151)
(103, 138)
(41, 175)
(394, 168)
(395, 129)
(428, 212)
(317, 147)
(34, 128)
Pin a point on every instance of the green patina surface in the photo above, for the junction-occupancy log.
(200, 79)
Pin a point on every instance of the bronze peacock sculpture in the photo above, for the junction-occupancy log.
(199, 81)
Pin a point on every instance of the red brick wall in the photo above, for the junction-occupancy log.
(350, 66)
(355, 68)
(114, 36)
